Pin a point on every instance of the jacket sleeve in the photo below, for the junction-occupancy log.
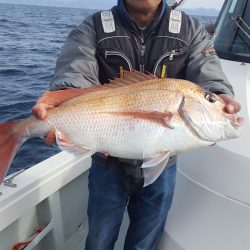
(203, 66)
(77, 66)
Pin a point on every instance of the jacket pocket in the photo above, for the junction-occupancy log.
(118, 59)
(171, 63)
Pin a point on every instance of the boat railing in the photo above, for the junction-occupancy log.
(41, 182)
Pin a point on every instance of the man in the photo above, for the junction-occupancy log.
(146, 36)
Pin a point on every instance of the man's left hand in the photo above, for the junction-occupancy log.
(232, 106)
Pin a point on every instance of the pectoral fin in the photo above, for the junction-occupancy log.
(153, 168)
(64, 143)
(157, 159)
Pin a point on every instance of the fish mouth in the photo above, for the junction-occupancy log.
(235, 120)
(234, 125)
(193, 128)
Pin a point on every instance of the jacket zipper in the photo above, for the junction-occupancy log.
(170, 56)
(142, 54)
(116, 53)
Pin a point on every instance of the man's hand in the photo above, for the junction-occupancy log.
(232, 106)
(40, 112)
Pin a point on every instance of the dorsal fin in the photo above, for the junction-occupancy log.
(130, 77)
(139, 76)
(56, 98)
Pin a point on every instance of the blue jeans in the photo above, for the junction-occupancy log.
(147, 209)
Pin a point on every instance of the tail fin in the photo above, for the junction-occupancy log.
(11, 139)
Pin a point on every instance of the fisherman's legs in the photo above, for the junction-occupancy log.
(148, 212)
(107, 202)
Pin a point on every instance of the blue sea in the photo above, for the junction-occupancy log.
(31, 38)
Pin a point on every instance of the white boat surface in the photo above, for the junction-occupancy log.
(211, 206)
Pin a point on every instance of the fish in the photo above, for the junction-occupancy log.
(138, 116)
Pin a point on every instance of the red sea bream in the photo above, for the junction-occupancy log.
(137, 117)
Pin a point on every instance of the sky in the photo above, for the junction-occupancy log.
(216, 4)
(98, 4)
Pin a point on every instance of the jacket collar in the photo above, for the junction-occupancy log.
(128, 23)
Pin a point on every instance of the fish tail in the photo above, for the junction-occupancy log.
(12, 136)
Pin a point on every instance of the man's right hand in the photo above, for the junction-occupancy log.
(40, 112)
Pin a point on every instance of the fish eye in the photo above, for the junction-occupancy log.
(210, 97)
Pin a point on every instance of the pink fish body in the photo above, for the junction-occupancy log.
(137, 117)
